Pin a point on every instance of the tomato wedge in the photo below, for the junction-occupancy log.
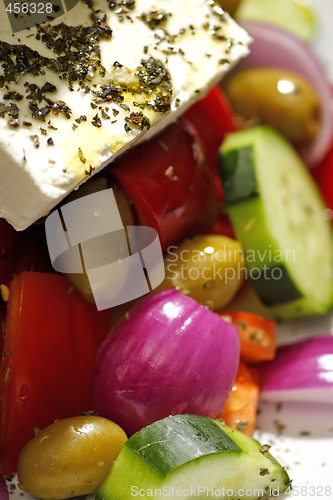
(170, 184)
(51, 339)
(240, 410)
(257, 335)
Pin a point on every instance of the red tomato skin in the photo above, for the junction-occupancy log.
(51, 339)
(170, 184)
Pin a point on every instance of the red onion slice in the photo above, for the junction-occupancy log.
(300, 372)
(273, 46)
(169, 356)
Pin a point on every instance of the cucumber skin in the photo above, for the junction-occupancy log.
(131, 470)
(250, 224)
(195, 427)
(244, 184)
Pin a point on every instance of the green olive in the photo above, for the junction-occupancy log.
(70, 457)
(81, 280)
(277, 97)
(209, 268)
(230, 6)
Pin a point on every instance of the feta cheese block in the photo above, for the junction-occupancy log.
(78, 91)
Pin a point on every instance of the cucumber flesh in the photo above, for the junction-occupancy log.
(191, 455)
(295, 16)
(280, 222)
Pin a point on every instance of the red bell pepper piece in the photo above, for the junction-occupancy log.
(51, 338)
(170, 184)
(213, 118)
(257, 335)
(240, 409)
(3, 310)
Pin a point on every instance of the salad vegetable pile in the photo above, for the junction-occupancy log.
(161, 394)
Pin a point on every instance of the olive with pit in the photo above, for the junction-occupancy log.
(70, 457)
(208, 268)
(277, 97)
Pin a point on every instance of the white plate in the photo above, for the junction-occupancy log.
(301, 435)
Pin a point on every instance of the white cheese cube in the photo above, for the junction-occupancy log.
(88, 93)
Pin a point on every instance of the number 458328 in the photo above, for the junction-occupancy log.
(31, 8)
(312, 491)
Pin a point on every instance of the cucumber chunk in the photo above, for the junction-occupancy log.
(278, 215)
(193, 456)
